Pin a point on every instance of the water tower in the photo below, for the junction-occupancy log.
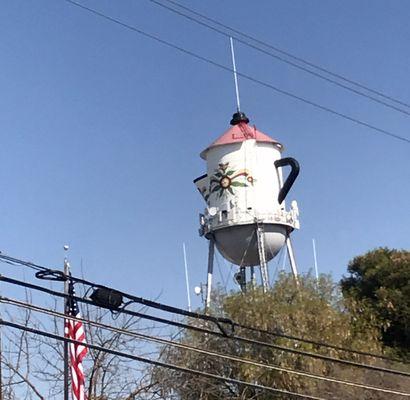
(244, 190)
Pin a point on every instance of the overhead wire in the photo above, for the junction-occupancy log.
(149, 303)
(214, 333)
(38, 268)
(157, 305)
(270, 54)
(56, 275)
(155, 362)
(315, 342)
(60, 276)
(211, 353)
(243, 75)
(288, 54)
(15, 261)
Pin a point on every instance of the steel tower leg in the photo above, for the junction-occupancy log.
(260, 233)
(253, 277)
(211, 253)
(242, 274)
(292, 259)
(240, 278)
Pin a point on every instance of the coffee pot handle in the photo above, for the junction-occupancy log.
(294, 172)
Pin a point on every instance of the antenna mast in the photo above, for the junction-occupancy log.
(315, 260)
(235, 76)
(186, 277)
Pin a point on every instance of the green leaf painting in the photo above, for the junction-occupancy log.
(239, 184)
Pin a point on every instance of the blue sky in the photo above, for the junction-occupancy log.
(101, 131)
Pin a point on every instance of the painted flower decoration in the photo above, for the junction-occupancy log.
(226, 178)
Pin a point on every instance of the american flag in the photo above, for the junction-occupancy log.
(75, 330)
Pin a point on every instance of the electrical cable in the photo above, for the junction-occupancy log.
(46, 270)
(270, 54)
(286, 53)
(203, 351)
(218, 321)
(315, 342)
(245, 76)
(56, 275)
(154, 362)
(211, 332)
(15, 261)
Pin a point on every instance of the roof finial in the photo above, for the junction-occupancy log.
(238, 116)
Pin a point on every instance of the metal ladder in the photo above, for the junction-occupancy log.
(260, 233)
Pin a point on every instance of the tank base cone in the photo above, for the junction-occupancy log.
(238, 244)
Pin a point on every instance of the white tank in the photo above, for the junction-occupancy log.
(243, 189)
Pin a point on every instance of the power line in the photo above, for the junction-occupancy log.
(245, 76)
(211, 332)
(203, 351)
(15, 261)
(286, 53)
(270, 54)
(316, 342)
(47, 272)
(56, 275)
(156, 363)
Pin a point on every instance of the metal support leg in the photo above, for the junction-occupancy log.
(292, 259)
(253, 277)
(211, 253)
(241, 278)
(260, 231)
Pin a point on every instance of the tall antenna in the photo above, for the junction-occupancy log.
(315, 260)
(186, 277)
(235, 76)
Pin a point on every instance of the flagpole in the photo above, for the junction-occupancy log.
(66, 363)
(1, 370)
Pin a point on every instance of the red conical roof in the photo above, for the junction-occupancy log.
(239, 133)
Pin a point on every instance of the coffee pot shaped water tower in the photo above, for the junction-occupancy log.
(245, 215)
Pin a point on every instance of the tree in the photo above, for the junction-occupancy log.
(311, 310)
(380, 282)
